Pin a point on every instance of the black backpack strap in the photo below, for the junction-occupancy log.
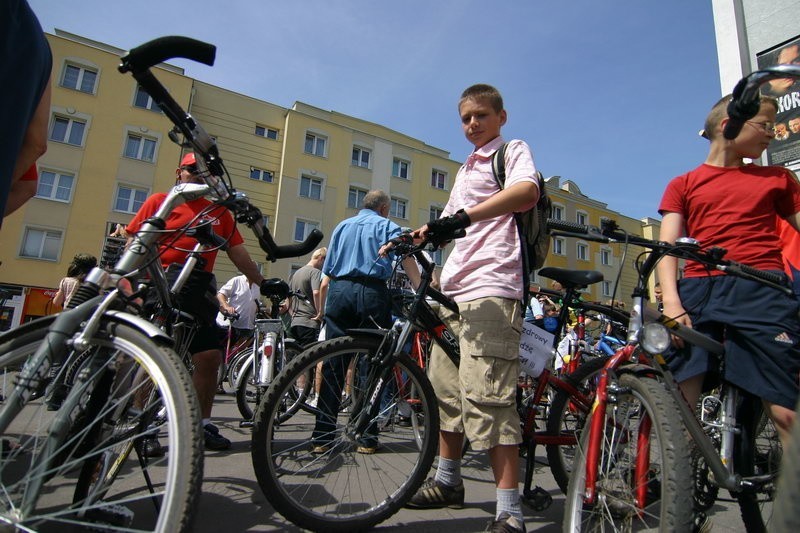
(499, 166)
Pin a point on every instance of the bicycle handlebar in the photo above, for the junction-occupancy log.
(159, 50)
(746, 99)
(138, 62)
(682, 250)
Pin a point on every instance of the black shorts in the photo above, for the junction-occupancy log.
(760, 329)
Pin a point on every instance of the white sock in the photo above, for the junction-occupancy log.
(449, 472)
(508, 501)
(205, 422)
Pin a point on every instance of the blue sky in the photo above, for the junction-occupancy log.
(609, 94)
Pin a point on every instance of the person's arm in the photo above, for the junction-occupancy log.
(58, 299)
(412, 271)
(316, 294)
(323, 294)
(240, 257)
(672, 228)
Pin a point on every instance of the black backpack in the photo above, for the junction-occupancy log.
(531, 224)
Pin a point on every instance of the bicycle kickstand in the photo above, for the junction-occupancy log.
(537, 498)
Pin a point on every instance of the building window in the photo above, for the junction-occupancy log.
(269, 133)
(360, 157)
(355, 198)
(142, 148)
(581, 218)
(438, 179)
(67, 130)
(606, 288)
(261, 175)
(311, 188)
(398, 208)
(583, 251)
(558, 246)
(315, 145)
(605, 256)
(79, 78)
(400, 168)
(302, 228)
(145, 101)
(129, 199)
(435, 213)
(41, 244)
(558, 212)
(55, 186)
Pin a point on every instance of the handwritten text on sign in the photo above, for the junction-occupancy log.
(535, 349)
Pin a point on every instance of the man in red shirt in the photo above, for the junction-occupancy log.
(206, 345)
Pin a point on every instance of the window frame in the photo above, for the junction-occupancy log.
(581, 245)
(560, 210)
(358, 161)
(27, 230)
(559, 246)
(606, 256)
(151, 104)
(399, 161)
(266, 132)
(394, 203)
(359, 197)
(316, 138)
(83, 69)
(262, 173)
(443, 174)
(131, 208)
(56, 185)
(129, 134)
(308, 227)
(71, 121)
(313, 180)
(606, 289)
(582, 217)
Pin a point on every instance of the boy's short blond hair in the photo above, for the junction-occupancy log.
(720, 112)
(482, 91)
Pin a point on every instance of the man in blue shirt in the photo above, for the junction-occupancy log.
(357, 297)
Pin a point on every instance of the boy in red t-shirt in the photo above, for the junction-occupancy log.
(727, 203)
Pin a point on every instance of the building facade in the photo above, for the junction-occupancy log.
(303, 167)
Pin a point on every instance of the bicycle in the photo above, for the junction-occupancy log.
(69, 466)
(271, 351)
(340, 489)
(633, 466)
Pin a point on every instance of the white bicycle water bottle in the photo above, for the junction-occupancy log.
(267, 368)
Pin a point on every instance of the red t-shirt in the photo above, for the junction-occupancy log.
(175, 250)
(31, 174)
(734, 208)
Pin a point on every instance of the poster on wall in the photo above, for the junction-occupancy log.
(785, 149)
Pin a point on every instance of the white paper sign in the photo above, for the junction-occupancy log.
(535, 349)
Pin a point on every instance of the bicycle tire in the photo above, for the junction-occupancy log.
(248, 394)
(669, 504)
(235, 367)
(786, 517)
(757, 452)
(563, 418)
(94, 435)
(340, 489)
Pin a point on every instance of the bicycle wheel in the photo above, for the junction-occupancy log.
(642, 427)
(567, 418)
(91, 481)
(757, 452)
(248, 394)
(786, 517)
(235, 367)
(340, 489)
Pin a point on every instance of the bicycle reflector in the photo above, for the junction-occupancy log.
(654, 338)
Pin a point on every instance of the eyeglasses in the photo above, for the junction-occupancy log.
(191, 169)
(768, 127)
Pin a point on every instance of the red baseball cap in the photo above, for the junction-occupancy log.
(189, 160)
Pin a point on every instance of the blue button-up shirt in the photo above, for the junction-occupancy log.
(353, 250)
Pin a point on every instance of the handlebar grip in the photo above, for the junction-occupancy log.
(770, 277)
(296, 250)
(743, 106)
(571, 227)
(159, 50)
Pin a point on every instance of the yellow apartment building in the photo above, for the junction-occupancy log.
(304, 167)
(331, 160)
(107, 151)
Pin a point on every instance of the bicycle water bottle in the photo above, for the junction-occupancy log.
(267, 368)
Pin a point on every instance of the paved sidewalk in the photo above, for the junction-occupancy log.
(233, 501)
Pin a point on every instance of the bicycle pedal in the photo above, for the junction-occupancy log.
(537, 498)
(245, 423)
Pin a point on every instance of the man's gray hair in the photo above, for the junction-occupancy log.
(374, 199)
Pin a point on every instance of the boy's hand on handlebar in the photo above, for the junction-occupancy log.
(403, 238)
(447, 228)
